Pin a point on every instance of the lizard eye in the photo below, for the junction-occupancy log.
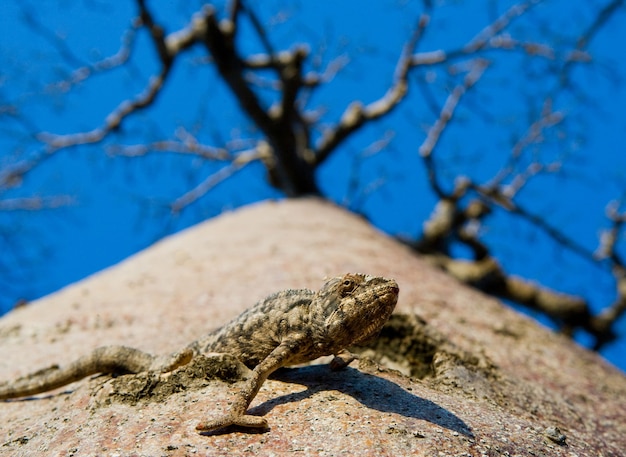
(347, 286)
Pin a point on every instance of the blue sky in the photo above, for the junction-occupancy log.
(121, 204)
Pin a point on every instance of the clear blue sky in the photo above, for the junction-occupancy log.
(121, 204)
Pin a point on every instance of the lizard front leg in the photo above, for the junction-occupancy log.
(237, 413)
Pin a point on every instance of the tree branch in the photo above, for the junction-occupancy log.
(357, 115)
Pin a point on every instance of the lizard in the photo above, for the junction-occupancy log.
(290, 327)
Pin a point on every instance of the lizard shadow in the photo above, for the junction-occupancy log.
(371, 391)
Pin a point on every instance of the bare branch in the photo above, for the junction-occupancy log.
(185, 144)
(243, 159)
(127, 107)
(157, 33)
(488, 39)
(287, 135)
(434, 133)
(533, 135)
(234, 9)
(119, 58)
(484, 37)
(36, 203)
(112, 121)
(578, 54)
(205, 186)
(258, 28)
(356, 115)
(609, 238)
(478, 68)
(30, 18)
(603, 323)
(536, 220)
(602, 18)
(354, 181)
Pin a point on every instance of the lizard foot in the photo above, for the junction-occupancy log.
(245, 420)
(341, 360)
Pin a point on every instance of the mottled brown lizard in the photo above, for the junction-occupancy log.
(286, 328)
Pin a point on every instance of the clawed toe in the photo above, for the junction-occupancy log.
(246, 421)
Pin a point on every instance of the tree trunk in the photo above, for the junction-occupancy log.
(453, 373)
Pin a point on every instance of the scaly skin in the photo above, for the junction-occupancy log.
(286, 328)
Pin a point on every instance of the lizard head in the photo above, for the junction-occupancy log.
(354, 307)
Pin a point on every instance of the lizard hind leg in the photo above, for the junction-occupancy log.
(165, 364)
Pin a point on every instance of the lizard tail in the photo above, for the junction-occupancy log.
(108, 359)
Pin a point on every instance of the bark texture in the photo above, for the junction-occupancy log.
(453, 373)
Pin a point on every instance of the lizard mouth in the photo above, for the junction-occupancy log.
(387, 299)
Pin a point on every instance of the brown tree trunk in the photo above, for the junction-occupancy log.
(453, 373)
